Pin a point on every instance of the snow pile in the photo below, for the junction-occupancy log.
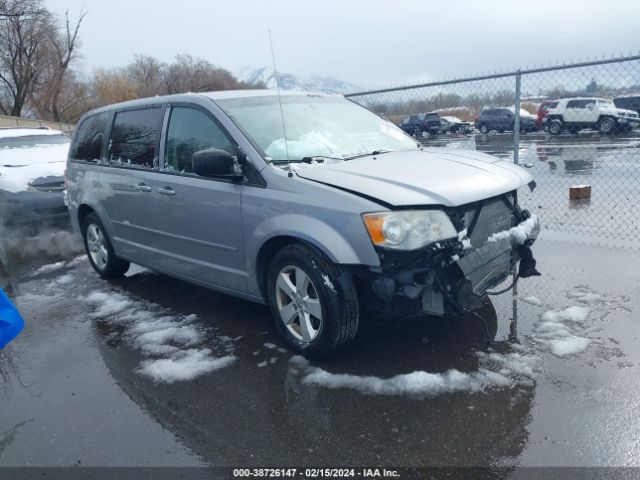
(557, 332)
(171, 341)
(519, 234)
(496, 370)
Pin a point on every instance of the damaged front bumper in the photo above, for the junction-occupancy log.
(453, 276)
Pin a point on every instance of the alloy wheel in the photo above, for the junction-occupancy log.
(97, 246)
(298, 303)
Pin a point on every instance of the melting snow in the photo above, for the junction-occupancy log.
(557, 332)
(531, 300)
(327, 283)
(496, 370)
(172, 339)
(49, 268)
(183, 365)
(520, 233)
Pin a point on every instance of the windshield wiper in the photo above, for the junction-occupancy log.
(319, 158)
(375, 152)
(311, 159)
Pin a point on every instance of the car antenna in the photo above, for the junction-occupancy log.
(284, 132)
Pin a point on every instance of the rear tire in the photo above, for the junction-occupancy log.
(313, 302)
(484, 129)
(606, 125)
(555, 126)
(99, 249)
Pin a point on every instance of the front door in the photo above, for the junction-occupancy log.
(201, 217)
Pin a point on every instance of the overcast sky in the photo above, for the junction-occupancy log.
(369, 43)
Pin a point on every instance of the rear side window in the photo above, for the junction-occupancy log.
(88, 139)
(134, 137)
(578, 103)
(190, 131)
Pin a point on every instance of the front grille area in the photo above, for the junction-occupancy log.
(495, 216)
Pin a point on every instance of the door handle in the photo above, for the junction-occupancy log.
(143, 187)
(166, 191)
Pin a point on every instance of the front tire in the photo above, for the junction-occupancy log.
(484, 129)
(313, 301)
(99, 249)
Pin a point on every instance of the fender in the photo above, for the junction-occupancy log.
(315, 232)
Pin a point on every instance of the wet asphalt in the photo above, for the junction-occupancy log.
(71, 393)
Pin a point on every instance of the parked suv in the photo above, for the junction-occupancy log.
(420, 123)
(628, 102)
(503, 119)
(574, 114)
(336, 213)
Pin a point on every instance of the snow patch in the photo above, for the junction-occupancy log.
(519, 234)
(585, 296)
(184, 365)
(173, 340)
(571, 314)
(327, 283)
(496, 370)
(49, 268)
(559, 331)
(570, 345)
(531, 300)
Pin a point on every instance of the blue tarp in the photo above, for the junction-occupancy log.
(11, 323)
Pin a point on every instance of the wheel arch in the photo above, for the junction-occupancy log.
(307, 231)
(83, 211)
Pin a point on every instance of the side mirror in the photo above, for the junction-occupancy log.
(216, 163)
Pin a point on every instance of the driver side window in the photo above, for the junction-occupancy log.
(191, 130)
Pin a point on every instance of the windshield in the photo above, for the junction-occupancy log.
(314, 126)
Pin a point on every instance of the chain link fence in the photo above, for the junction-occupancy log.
(576, 127)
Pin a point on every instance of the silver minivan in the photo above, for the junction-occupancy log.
(309, 203)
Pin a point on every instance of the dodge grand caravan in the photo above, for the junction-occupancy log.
(309, 203)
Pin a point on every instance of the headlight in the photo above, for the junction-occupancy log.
(408, 230)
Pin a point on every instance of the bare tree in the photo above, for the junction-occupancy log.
(23, 52)
(187, 74)
(147, 73)
(50, 99)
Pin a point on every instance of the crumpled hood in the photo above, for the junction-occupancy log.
(436, 176)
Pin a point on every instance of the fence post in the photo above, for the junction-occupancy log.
(516, 121)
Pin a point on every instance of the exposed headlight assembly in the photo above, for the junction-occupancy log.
(408, 229)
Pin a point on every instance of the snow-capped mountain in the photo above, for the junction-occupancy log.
(296, 83)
